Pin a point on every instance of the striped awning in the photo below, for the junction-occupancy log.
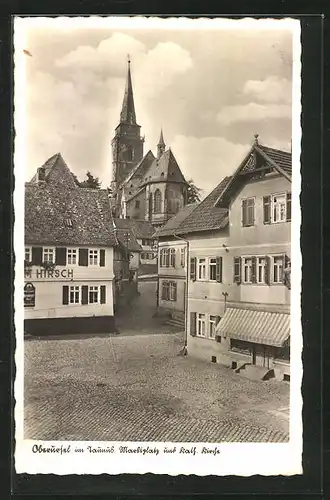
(260, 327)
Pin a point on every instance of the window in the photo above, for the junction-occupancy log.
(277, 269)
(157, 202)
(93, 258)
(165, 290)
(165, 257)
(173, 290)
(93, 295)
(183, 257)
(213, 269)
(172, 257)
(261, 269)
(201, 325)
(247, 269)
(279, 208)
(213, 321)
(74, 295)
(48, 255)
(248, 212)
(137, 204)
(72, 256)
(201, 268)
(28, 254)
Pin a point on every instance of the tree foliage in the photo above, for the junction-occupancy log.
(90, 182)
(193, 192)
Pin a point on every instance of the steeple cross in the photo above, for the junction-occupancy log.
(128, 59)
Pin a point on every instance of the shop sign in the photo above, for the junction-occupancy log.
(48, 273)
(29, 295)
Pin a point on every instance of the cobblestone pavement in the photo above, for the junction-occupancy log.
(137, 388)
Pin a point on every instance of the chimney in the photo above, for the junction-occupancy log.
(41, 176)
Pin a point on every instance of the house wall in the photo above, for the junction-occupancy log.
(258, 240)
(176, 274)
(132, 211)
(49, 295)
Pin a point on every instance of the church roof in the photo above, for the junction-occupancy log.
(58, 212)
(140, 169)
(127, 114)
(165, 168)
(127, 239)
(174, 222)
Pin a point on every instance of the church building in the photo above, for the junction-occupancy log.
(144, 187)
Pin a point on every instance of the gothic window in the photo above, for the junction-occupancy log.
(157, 202)
(150, 207)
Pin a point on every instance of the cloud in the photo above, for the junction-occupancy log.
(253, 112)
(272, 89)
(207, 160)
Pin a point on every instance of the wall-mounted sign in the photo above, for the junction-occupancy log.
(29, 295)
(48, 273)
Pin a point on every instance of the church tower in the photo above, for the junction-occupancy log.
(127, 144)
(161, 145)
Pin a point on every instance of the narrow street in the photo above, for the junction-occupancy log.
(136, 387)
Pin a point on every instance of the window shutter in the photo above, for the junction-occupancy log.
(288, 207)
(284, 260)
(237, 270)
(219, 269)
(173, 264)
(163, 290)
(267, 270)
(244, 214)
(193, 324)
(60, 258)
(193, 268)
(36, 256)
(175, 290)
(254, 269)
(83, 256)
(84, 294)
(103, 296)
(267, 205)
(65, 295)
(102, 258)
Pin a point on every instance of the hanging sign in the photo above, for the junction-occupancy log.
(29, 295)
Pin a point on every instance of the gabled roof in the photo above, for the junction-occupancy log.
(67, 216)
(127, 239)
(258, 160)
(164, 168)
(57, 172)
(206, 216)
(141, 228)
(59, 212)
(174, 222)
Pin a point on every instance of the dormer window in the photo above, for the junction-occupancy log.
(68, 222)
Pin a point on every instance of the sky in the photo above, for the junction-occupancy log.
(210, 90)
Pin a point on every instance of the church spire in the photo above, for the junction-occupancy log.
(127, 114)
(160, 145)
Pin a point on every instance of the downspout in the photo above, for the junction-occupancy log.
(186, 297)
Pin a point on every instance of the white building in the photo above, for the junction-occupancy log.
(69, 252)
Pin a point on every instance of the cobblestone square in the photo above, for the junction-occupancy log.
(138, 388)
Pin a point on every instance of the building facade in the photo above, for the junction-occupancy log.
(144, 187)
(239, 241)
(69, 255)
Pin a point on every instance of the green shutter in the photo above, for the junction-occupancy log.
(267, 270)
(60, 256)
(254, 269)
(103, 294)
(65, 295)
(83, 256)
(193, 324)
(193, 268)
(267, 209)
(219, 269)
(288, 207)
(84, 294)
(102, 258)
(237, 270)
(37, 256)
